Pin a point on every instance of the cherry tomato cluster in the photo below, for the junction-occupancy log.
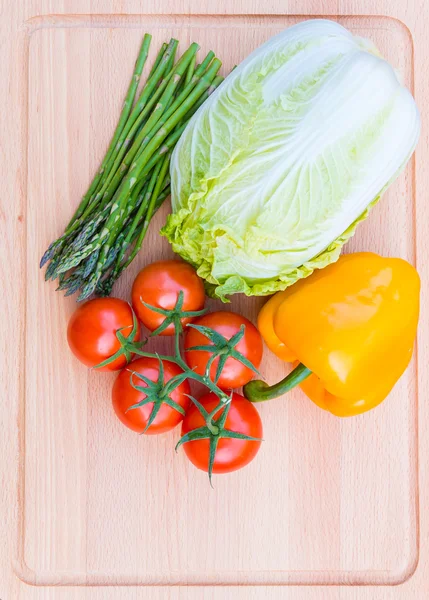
(222, 430)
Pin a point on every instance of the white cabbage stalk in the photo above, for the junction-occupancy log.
(277, 168)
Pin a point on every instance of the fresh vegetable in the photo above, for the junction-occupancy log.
(159, 285)
(225, 345)
(352, 326)
(150, 396)
(266, 327)
(109, 226)
(220, 439)
(273, 174)
(103, 332)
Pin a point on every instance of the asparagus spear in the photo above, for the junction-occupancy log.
(110, 224)
(138, 169)
(126, 109)
(120, 168)
(125, 138)
(158, 59)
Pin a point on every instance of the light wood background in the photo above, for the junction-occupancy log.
(347, 497)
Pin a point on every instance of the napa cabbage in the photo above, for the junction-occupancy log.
(278, 167)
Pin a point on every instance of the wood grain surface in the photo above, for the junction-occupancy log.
(87, 504)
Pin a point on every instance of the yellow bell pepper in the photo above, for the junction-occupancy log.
(350, 326)
(266, 327)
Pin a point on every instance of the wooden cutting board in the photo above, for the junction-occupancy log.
(99, 512)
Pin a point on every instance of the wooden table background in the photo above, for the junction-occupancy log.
(13, 168)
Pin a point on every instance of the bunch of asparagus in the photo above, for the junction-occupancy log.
(107, 230)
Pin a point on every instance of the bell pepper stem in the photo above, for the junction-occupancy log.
(259, 391)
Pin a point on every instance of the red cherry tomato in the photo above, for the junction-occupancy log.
(231, 454)
(234, 374)
(125, 395)
(159, 285)
(92, 328)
